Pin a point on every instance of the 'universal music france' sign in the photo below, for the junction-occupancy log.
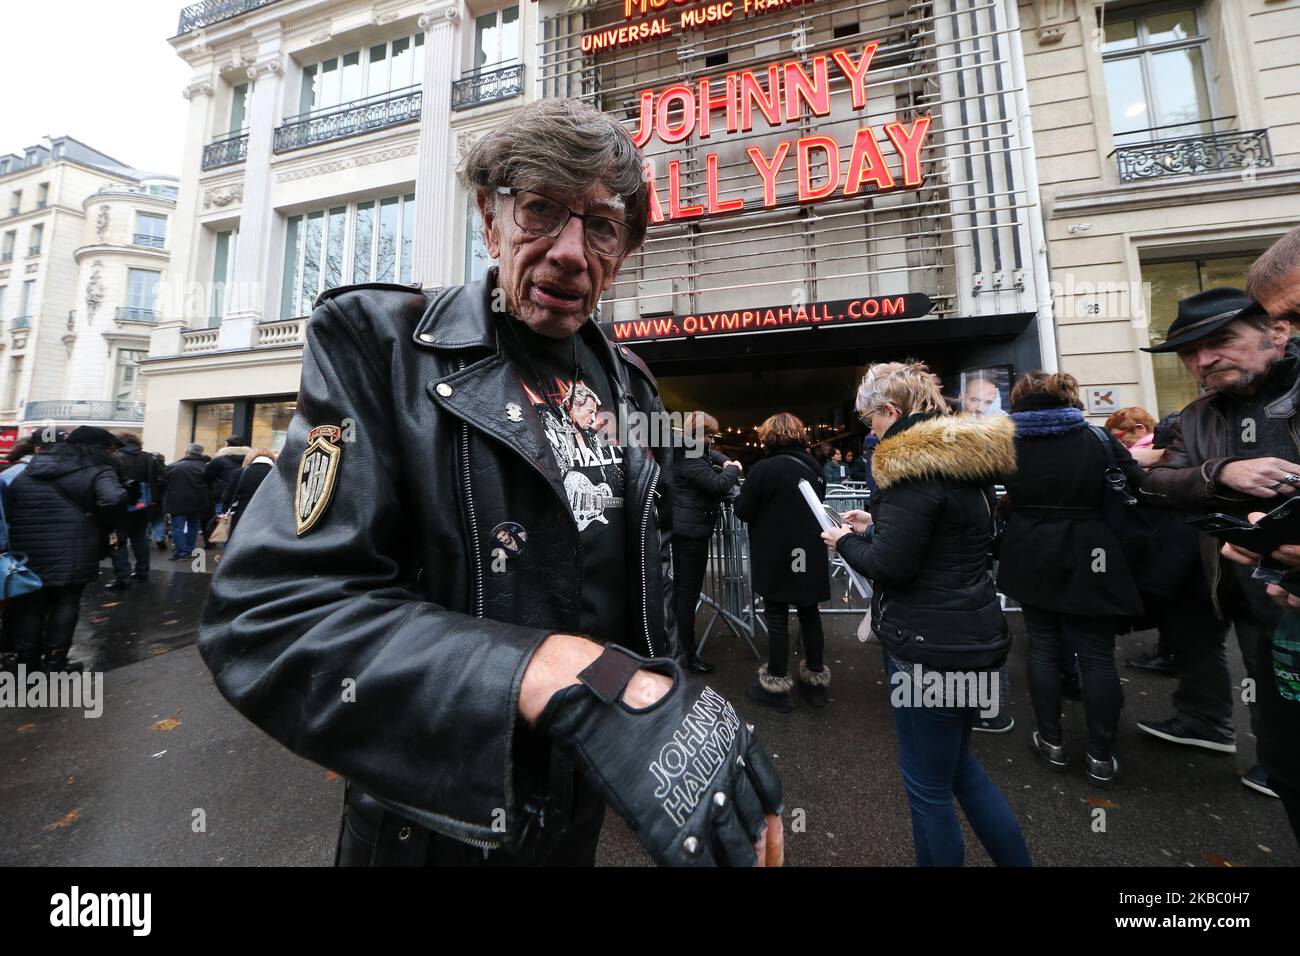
(911, 305)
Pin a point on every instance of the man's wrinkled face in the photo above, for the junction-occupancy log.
(552, 285)
(979, 397)
(1236, 356)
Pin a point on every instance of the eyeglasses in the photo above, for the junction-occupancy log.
(543, 216)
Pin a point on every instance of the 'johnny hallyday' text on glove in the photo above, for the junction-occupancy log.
(685, 773)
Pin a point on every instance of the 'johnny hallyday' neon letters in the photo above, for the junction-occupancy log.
(677, 111)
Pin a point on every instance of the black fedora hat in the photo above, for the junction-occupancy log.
(1205, 313)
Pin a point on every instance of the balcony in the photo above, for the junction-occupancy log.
(1206, 152)
(213, 11)
(127, 314)
(480, 87)
(84, 411)
(21, 322)
(153, 242)
(226, 151)
(349, 119)
(33, 252)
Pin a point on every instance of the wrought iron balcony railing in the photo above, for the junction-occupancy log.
(1194, 155)
(154, 242)
(128, 314)
(34, 251)
(21, 322)
(226, 151)
(481, 87)
(84, 411)
(212, 11)
(349, 119)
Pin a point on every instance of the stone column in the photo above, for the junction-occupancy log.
(435, 187)
(254, 295)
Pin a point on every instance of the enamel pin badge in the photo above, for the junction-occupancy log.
(317, 473)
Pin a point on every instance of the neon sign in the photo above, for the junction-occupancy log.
(676, 112)
(912, 305)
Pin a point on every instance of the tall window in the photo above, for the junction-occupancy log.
(1171, 281)
(271, 422)
(42, 195)
(373, 71)
(34, 245)
(370, 241)
(1155, 63)
(3, 289)
(26, 303)
(7, 249)
(142, 289)
(15, 202)
(126, 380)
(496, 38)
(238, 108)
(150, 230)
(214, 422)
(15, 381)
(223, 271)
(476, 252)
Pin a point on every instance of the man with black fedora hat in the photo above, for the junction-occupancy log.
(1236, 450)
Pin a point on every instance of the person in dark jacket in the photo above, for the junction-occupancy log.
(1061, 560)
(187, 499)
(786, 560)
(59, 511)
(223, 464)
(702, 477)
(857, 466)
(142, 478)
(835, 470)
(926, 550)
(245, 480)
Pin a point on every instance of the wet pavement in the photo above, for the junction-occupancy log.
(171, 774)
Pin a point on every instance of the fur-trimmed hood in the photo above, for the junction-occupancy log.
(959, 447)
(240, 450)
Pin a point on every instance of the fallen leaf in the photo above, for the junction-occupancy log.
(330, 776)
(167, 724)
(26, 728)
(1103, 803)
(102, 618)
(174, 620)
(69, 818)
(70, 781)
(1264, 848)
(1214, 859)
(111, 604)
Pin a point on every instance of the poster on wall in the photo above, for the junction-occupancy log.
(8, 438)
(986, 391)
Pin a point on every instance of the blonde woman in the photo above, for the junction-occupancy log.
(935, 609)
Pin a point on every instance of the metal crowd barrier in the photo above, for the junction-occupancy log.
(728, 588)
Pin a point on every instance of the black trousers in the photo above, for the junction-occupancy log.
(690, 561)
(42, 623)
(1198, 640)
(134, 530)
(1052, 634)
(777, 616)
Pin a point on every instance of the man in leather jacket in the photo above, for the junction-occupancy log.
(1234, 450)
(369, 616)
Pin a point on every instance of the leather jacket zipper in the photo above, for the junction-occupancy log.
(469, 507)
(645, 527)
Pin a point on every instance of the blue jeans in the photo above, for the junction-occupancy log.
(185, 531)
(936, 763)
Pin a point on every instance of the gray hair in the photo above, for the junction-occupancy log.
(562, 146)
(1275, 267)
(193, 448)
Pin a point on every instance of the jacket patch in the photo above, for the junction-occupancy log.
(317, 473)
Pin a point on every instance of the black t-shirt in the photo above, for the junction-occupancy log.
(580, 425)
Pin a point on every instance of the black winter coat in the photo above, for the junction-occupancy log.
(927, 553)
(699, 484)
(139, 470)
(779, 523)
(246, 482)
(1047, 556)
(187, 491)
(60, 509)
(394, 584)
(223, 464)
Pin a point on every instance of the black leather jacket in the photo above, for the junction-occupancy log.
(395, 588)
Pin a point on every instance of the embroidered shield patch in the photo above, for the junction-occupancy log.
(317, 472)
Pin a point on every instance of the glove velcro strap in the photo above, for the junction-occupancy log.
(609, 674)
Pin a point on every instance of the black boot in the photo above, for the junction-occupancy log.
(698, 665)
(814, 683)
(121, 584)
(58, 663)
(772, 691)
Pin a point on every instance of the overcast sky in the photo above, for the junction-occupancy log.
(101, 72)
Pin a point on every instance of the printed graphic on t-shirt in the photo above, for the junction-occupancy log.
(584, 443)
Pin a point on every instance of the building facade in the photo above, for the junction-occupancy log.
(83, 251)
(1168, 144)
(323, 139)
